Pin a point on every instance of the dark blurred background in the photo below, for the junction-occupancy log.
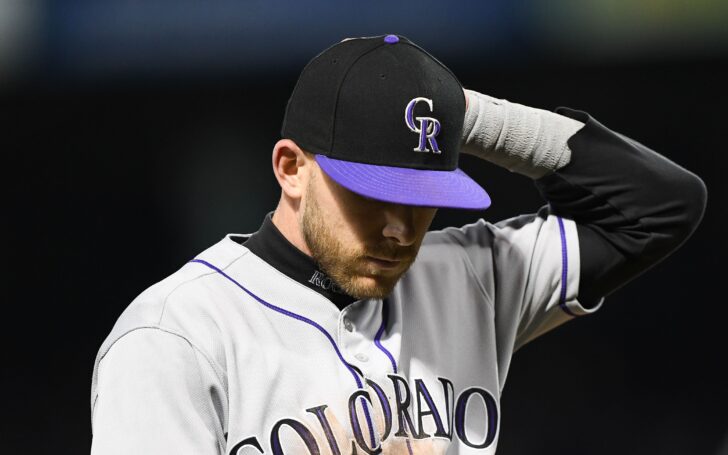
(137, 133)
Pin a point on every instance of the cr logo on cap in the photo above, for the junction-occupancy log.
(428, 128)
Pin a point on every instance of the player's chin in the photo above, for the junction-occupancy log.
(375, 287)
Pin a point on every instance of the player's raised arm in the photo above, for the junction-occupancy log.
(632, 206)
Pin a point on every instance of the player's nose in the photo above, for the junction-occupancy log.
(399, 223)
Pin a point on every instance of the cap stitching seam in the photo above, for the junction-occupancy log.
(338, 93)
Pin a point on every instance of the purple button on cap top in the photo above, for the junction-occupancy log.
(391, 39)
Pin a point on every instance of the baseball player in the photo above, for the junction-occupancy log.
(342, 326)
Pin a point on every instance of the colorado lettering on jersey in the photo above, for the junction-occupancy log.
(400, 421)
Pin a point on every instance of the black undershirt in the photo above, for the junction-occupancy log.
(269, 244)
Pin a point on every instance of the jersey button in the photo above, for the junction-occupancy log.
(361, 357)
(348, 325)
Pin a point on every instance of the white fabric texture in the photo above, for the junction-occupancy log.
(157, 394)
(522, 139)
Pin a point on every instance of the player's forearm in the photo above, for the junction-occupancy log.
(522, 139)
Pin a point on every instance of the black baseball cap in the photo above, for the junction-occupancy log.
(384, 119)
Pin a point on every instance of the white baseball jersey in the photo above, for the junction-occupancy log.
(230, 356)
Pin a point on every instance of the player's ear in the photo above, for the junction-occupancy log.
(292, 167)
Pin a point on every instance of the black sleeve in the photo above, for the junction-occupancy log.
(633, 207)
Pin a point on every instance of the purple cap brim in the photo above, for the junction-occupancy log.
(421, 187)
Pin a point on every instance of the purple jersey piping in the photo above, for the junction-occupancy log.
(290, 314)
(307, 321)
(378, 336)
(564, 268)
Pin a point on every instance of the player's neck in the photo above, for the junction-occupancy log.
(284, 218)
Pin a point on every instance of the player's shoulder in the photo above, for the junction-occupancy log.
(448, 265)
(483, 233)
(481, 238)
(444, 250)
(179, 303)
(185, 284)
(457, 236)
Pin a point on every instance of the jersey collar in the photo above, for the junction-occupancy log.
(269, 244)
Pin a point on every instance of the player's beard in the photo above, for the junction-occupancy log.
(347, 266)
